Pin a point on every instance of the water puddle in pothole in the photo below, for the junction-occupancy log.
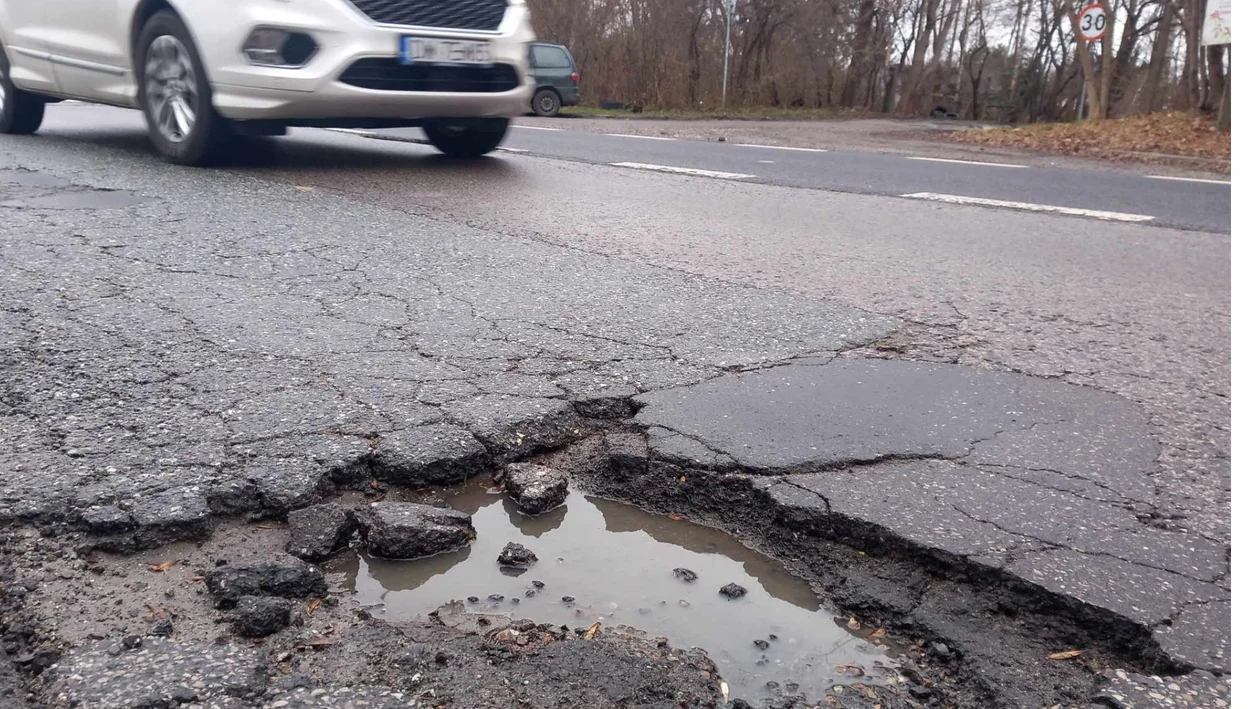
(616, 562)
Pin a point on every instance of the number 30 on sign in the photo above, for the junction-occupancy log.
(1093, 21)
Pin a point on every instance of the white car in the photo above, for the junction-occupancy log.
(204, 71)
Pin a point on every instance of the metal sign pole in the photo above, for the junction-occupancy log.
(726, 55)
(1080, 108)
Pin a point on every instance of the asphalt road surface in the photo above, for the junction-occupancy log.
(1037, 400)
(1156, 198)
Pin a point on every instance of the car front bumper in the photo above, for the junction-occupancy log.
(247, 92)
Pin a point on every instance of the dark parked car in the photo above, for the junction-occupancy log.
(557, 77)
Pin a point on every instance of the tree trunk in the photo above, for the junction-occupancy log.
(1017, 41)
(1155, 72)
(860, 65)
(1192, 23)
(1216, 78)
(922, 39)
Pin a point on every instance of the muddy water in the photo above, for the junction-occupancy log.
(616, 563)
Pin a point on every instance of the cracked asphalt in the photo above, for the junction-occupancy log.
(1037, 397)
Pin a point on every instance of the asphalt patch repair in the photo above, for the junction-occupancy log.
(944, 574)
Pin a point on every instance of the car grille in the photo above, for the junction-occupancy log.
(385, 74)
(449, 14)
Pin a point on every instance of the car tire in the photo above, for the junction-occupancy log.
(174, 94)
(465, 137)
(21, 113)
(546, 103)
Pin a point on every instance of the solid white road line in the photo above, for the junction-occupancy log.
(645, 137)
(1093, 213)
(967, 162)
(534, 127)
(1189, 179)
(780, 147)
(352, 131)
(684, 170)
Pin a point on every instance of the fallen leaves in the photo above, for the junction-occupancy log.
(310, 607)
(877, 633)
(591, 632)
(1065, 655)
(676, 518)
(162, 567)
(1143, 138)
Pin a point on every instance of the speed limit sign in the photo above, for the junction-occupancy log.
(1093, 21)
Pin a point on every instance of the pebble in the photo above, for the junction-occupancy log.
(686, 575)
(733, 590)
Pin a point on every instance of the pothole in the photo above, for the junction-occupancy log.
(606, 562)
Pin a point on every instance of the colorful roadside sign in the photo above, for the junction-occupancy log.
(1216, 23)
(1093, 21)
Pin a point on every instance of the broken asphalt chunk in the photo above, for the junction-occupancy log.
(174, 515)
(437, 454)
(229, 584)
(516, 555)
(406, 530)
(535, 488)
(319, 531)
(733, 590)
(259, 616)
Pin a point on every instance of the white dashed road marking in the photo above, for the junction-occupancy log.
(780, 147)
(1189, 179)
(968, 162)
(535, 127)
(645, 137)
(513, 150)
(684, 170)
(352, 131)
(1073, 211)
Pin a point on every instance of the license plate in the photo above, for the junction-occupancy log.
(434, 50)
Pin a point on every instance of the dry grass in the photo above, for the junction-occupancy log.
(1149, 137)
